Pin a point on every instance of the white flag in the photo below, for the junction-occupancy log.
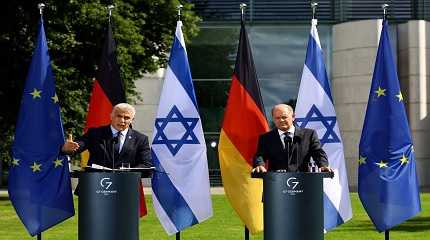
(315, 109)
(180, 184)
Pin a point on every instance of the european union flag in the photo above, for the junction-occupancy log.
(39, 181)
(387, 179)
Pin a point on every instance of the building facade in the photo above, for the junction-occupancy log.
(278, 31)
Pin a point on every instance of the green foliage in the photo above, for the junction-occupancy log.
(75, 29)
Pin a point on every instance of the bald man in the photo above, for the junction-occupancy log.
(288, 148)
(114, 141)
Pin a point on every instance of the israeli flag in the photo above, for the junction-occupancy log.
(180, 184)
(315, 109)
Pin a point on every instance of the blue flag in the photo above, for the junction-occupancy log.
(181, 193)
(315, 109)
(39, 181)
(387, 179)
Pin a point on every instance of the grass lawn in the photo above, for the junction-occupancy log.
(226, 225)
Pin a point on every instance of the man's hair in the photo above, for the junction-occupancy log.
(124, 107)
(289, 108)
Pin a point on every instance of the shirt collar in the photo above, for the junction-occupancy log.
(291, 130)
(114, 131)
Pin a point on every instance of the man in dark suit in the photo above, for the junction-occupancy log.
(288, 148)
(114, 145)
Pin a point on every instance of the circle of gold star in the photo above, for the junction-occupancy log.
(404, 160)
(58, 162)
(361, 160)
(380, 91)
(15, 162)
(382, 164)
(55, 98)
(36, 93)
(36, 167)
(400, 96)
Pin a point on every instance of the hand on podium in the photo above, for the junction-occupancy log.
(326, 169)
(259, 169)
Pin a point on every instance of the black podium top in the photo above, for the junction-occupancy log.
(322, 174)
(144, 172)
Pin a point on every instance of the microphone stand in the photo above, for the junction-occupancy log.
(105, 154)
(114, 141)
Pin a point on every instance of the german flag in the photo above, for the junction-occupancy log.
(108, 90)
(244, 120)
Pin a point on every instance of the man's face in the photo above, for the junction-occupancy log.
(282, 118)
(121, 119)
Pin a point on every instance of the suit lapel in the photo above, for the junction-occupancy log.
(298, 136)
(276, 139)
(128, 141)
(107, 136)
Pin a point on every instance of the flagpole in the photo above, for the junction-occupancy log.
(179, 7)
(110, 7)
(384, 9)
(314, 6)
(242, 11)
(40, 6)
(242, 7)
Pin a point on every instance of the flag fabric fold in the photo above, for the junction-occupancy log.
(39, 181)
(180, 184)
(387, 179)
(315, 109)
(244, 121)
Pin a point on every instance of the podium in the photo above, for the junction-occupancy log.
(293, 205)
(108, 205)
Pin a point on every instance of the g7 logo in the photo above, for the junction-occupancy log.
(292, 182)
(105, 183)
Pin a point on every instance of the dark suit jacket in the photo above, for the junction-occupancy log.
(305, 145)
(99, 142)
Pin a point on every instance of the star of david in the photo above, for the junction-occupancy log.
(188, 137)
(314, 115)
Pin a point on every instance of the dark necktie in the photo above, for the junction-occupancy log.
(287, 143)
(288, 140)
(117, 142)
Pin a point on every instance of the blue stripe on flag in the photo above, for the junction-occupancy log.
(332, 217)
(178, 63)
(315, 62)
(170, 199)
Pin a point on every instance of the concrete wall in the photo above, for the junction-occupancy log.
(414, 70)
(354, 52)
(149, 88)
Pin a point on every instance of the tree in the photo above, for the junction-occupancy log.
(75, 30)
